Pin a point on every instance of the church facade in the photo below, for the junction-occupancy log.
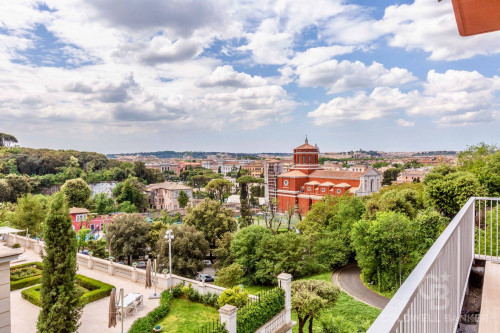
(307, 182)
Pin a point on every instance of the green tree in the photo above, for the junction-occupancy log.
(234, 296)
(128, 235)
(131, 190)
(229, 276)
(127, 207)
(76, 192)
(98, 248)
(211, 219)
(60, 311)
(189, 249)
(278, 253)
(220, 188)
(450, 192)
(30, 213)
(19, 186)
(310, 297)
(5, 191)
(182, 199)
(244, 249)
(80, 236)
(245, 213)
(222, 250)
(390, 175)
(103, 204)
(385, 249)
(7, 140)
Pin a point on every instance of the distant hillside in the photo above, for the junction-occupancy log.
(196, 154)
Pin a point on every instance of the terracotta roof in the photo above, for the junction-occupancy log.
(343, 185)
(336, 174)
(306, 146)
(293, 174)
(327, 184)
(312, 183)
(76, 210)
(167, 186)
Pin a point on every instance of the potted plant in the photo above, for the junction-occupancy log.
(476, 16)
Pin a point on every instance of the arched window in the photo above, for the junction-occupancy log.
(309, 159)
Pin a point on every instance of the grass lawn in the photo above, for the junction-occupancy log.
(187, 318)
(254, 290)
(352, 310)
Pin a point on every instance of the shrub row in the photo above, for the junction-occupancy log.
(97, 291)
(147, 323)
(32, 295)
(28, 281)
(194, 296)
(257, 313)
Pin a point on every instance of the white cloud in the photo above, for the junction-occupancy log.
(453, 98)
(431, 27)
(226, 76)
(268, 45)
(345, 75)
(405, 123)
(380, 103)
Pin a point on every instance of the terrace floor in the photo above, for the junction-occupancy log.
(95, 315)
(489, 320)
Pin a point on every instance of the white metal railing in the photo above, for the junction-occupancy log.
(430, 300)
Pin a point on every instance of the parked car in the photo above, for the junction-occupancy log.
(207, 263)
(141, 265)
(208, 278)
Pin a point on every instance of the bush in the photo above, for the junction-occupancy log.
(20, 282)
(97, 290)
(256, 314)
(229, 276)
(234, 296)
(16, 246)
(177, 290)
(147, 323)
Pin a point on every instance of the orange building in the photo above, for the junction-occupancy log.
(307, 181)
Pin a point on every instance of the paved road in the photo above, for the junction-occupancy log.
(348, 278)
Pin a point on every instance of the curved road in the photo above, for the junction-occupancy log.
(348, 279)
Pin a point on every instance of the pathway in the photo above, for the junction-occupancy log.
(349, 280)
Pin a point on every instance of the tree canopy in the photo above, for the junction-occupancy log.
(128, 236)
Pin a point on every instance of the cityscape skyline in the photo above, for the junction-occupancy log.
(238, 76)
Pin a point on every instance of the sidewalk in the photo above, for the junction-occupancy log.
(95, 315)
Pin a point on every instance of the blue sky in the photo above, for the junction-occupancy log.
(240, 75)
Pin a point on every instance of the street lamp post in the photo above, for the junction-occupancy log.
(169, 236)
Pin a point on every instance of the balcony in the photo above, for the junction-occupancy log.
(431, 298)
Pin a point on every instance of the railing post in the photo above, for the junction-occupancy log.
(90, 262)
(228, 316)
(285, 283)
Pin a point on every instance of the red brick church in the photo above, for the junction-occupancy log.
(307, 181)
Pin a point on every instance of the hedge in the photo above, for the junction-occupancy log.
(147, 323)
(98, 290)
(257, 313)
(28, 281)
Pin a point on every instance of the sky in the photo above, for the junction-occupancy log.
(118, 76)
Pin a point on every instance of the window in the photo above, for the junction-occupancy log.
(338, 191)
(323, 190)
(81, 217)
(285, 183)
(309, 188)
(309, 159)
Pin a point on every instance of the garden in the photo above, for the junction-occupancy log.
(30, 275)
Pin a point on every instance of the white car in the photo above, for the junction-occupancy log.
(207, 263)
